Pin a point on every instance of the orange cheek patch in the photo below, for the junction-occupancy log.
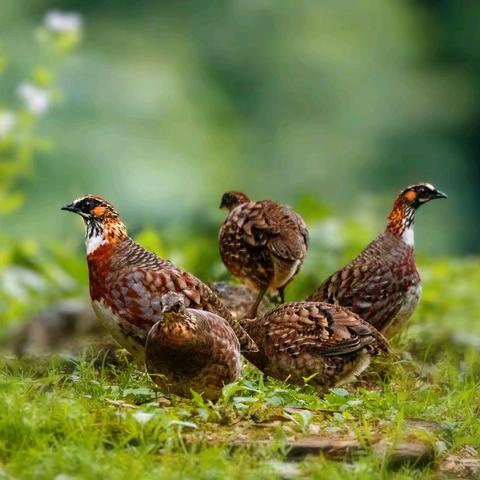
(410, 196)
(98, 211)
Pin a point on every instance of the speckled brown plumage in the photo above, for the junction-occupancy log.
(191, 349)
(126, 281)
(382, 284)
(298, 340)
(263, 243)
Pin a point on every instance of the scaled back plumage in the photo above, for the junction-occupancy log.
(263, 243)
(382, 283)
(305, 339)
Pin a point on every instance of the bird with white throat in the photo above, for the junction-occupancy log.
(382, 283)
(127, 281)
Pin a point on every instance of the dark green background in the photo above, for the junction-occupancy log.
(169, 104)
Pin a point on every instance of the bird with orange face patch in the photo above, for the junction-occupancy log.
(127, 281)
(382, 285)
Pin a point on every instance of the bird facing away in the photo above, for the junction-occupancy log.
(329, 343)
(263, 243)
(191, 349)
(127, 281)
(382, 284)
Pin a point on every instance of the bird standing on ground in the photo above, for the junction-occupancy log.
(263, 243)
(328, 343)
(382, 284)
(191, 349)
(127, 281)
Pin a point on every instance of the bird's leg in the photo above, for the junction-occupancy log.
(261, 293)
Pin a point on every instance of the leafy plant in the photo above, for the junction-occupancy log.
(25, 271)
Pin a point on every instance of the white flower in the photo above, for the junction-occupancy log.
(8, 120)
(63, 22)
(142, 417)
(37, 100)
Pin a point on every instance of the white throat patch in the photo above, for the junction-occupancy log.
(408, 236)
(93, 242)
(94, 238)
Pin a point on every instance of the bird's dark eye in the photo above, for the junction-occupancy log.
(88, 204)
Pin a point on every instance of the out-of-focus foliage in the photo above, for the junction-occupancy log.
(171, 103)
(18, 123)
(450, 308)
(168, 105)
(316, 104)
(26, 273)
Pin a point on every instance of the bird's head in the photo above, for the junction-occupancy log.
(103, 224)
(172, 302)
(231, 200)
(402, 216)
(92, 207)
(417, 195)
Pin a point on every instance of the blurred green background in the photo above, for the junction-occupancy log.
(332, 106)
(326, 105)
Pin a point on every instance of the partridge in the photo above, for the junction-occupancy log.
(263, 243)
(328, 344)
(191, 349)
(127, 281)
(382, 284)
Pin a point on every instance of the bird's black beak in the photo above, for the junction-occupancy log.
(438, 194)
(70, 208)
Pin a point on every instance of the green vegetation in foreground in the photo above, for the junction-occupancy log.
(83, 419)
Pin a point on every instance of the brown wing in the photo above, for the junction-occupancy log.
(276, 227)
(242, 252)
(225, 363)
(142, 278)
(263, 242)
(222, 335)
(317, 327)
(374, 284)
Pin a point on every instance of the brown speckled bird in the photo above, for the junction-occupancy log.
(263, 243)
(382, 284)
(127, 281)
(298, 340)
(191, 349)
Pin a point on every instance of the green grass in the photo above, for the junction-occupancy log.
(75, 419)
